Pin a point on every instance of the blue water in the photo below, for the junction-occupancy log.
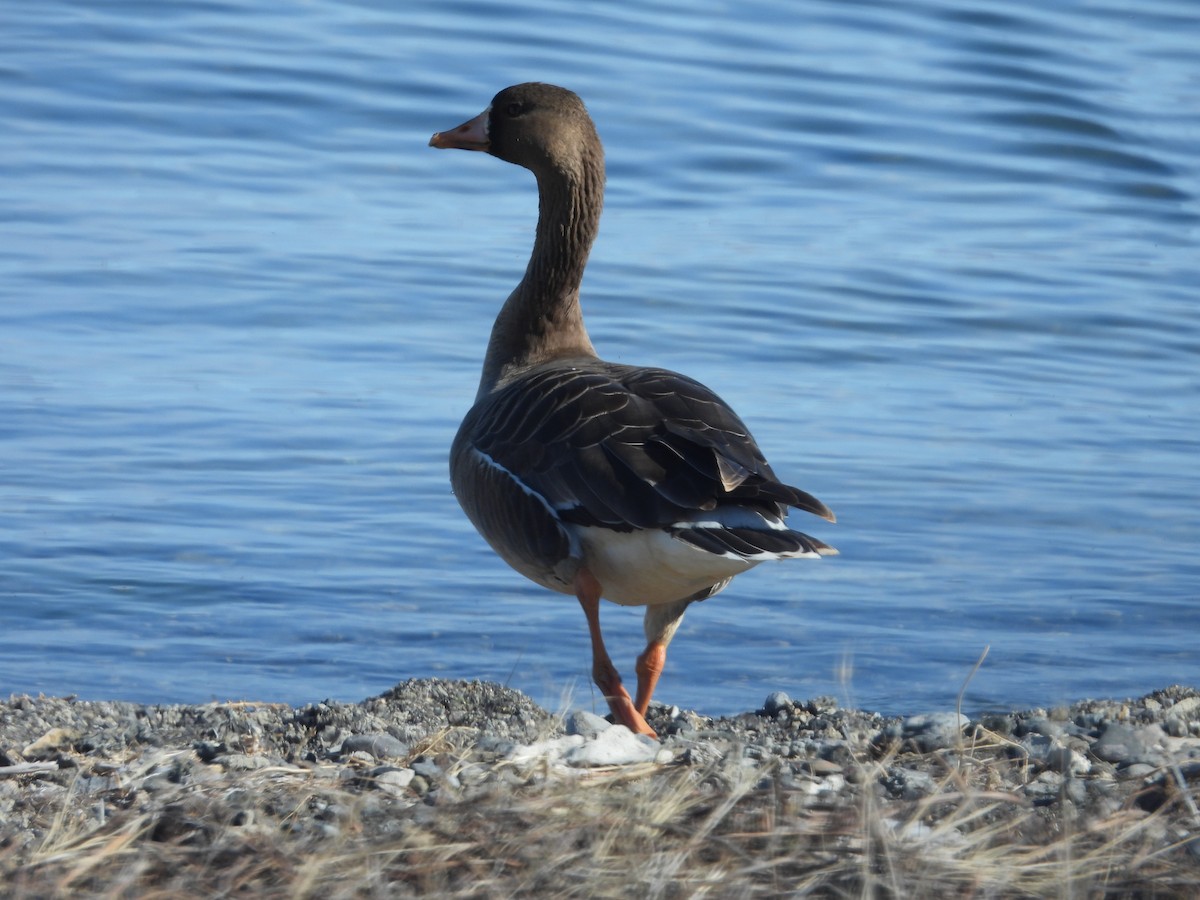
(942, 257)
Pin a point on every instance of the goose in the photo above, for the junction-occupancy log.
(633, 484)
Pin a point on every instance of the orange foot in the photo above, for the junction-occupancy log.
(625, 712)
(604, 673)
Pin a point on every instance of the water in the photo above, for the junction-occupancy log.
(941, 256)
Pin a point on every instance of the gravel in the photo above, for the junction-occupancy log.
(416, 765)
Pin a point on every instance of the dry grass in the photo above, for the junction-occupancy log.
(647, 832)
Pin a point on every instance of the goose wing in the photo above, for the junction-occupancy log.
(623, 447)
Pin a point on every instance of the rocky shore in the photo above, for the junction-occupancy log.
(457, 789)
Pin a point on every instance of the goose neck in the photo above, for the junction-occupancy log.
(542, 319)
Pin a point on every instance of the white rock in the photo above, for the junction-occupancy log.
(828, 784)
(615, 746)
(551, 750)
(1068, 762)
(393, 781)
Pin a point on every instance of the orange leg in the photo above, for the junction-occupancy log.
(649, 667)
(604, 673)
(662, 621)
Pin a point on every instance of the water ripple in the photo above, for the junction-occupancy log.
(942, 258)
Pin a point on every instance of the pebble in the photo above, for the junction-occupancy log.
(615, 746)
(1067, 761)
(428, 768)
(49, 745)
(549, 750)
(927, 732)
(1126, 744)
(909, 784)
(820, 767)
(1041, 794)
(1036, 747)
(380, 746)
(242, 762)
(1075, 790)
(392, 780)
(1188, 707)
(242, 818)
(776, 702)
(831, 784)
(1040, 725)
(700, 755)
(1136, 770)
(585, 723)
(1175, 727)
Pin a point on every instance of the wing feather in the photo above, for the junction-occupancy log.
(627, 447)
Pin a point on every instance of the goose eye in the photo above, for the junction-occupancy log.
(514, 109)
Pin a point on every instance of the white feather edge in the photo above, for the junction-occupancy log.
(650, 566)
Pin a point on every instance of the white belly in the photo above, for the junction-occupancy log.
(642, 568)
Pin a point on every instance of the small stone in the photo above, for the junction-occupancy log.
(333, 812)
(1136, 770)
(822, 705)
(430, 770)
(1041, 725)
(929, 732)
(331, 735)
(489, 743)
(617, 746)
(820, 767)
(1067, 762)
(1041, 794)
(157, 780)
(49, 744)
(392, 780)
(1002, 724)
(1037, 747)
(1051, 778)
(1124, 744)
(830, 784)
(909, 784)
(241, 762)
(700, 755)
(1192, 846)
(1075, 790)
(1188, 770)
(208, 751)
(1091, 720)
(1176, 727)
(1188, 707)
(776, 702)
(585, 723)
(473, 773)
(550, 750)
(380, 746)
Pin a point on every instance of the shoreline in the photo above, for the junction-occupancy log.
(470, 789)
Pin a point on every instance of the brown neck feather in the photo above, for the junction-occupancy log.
(541, 320)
